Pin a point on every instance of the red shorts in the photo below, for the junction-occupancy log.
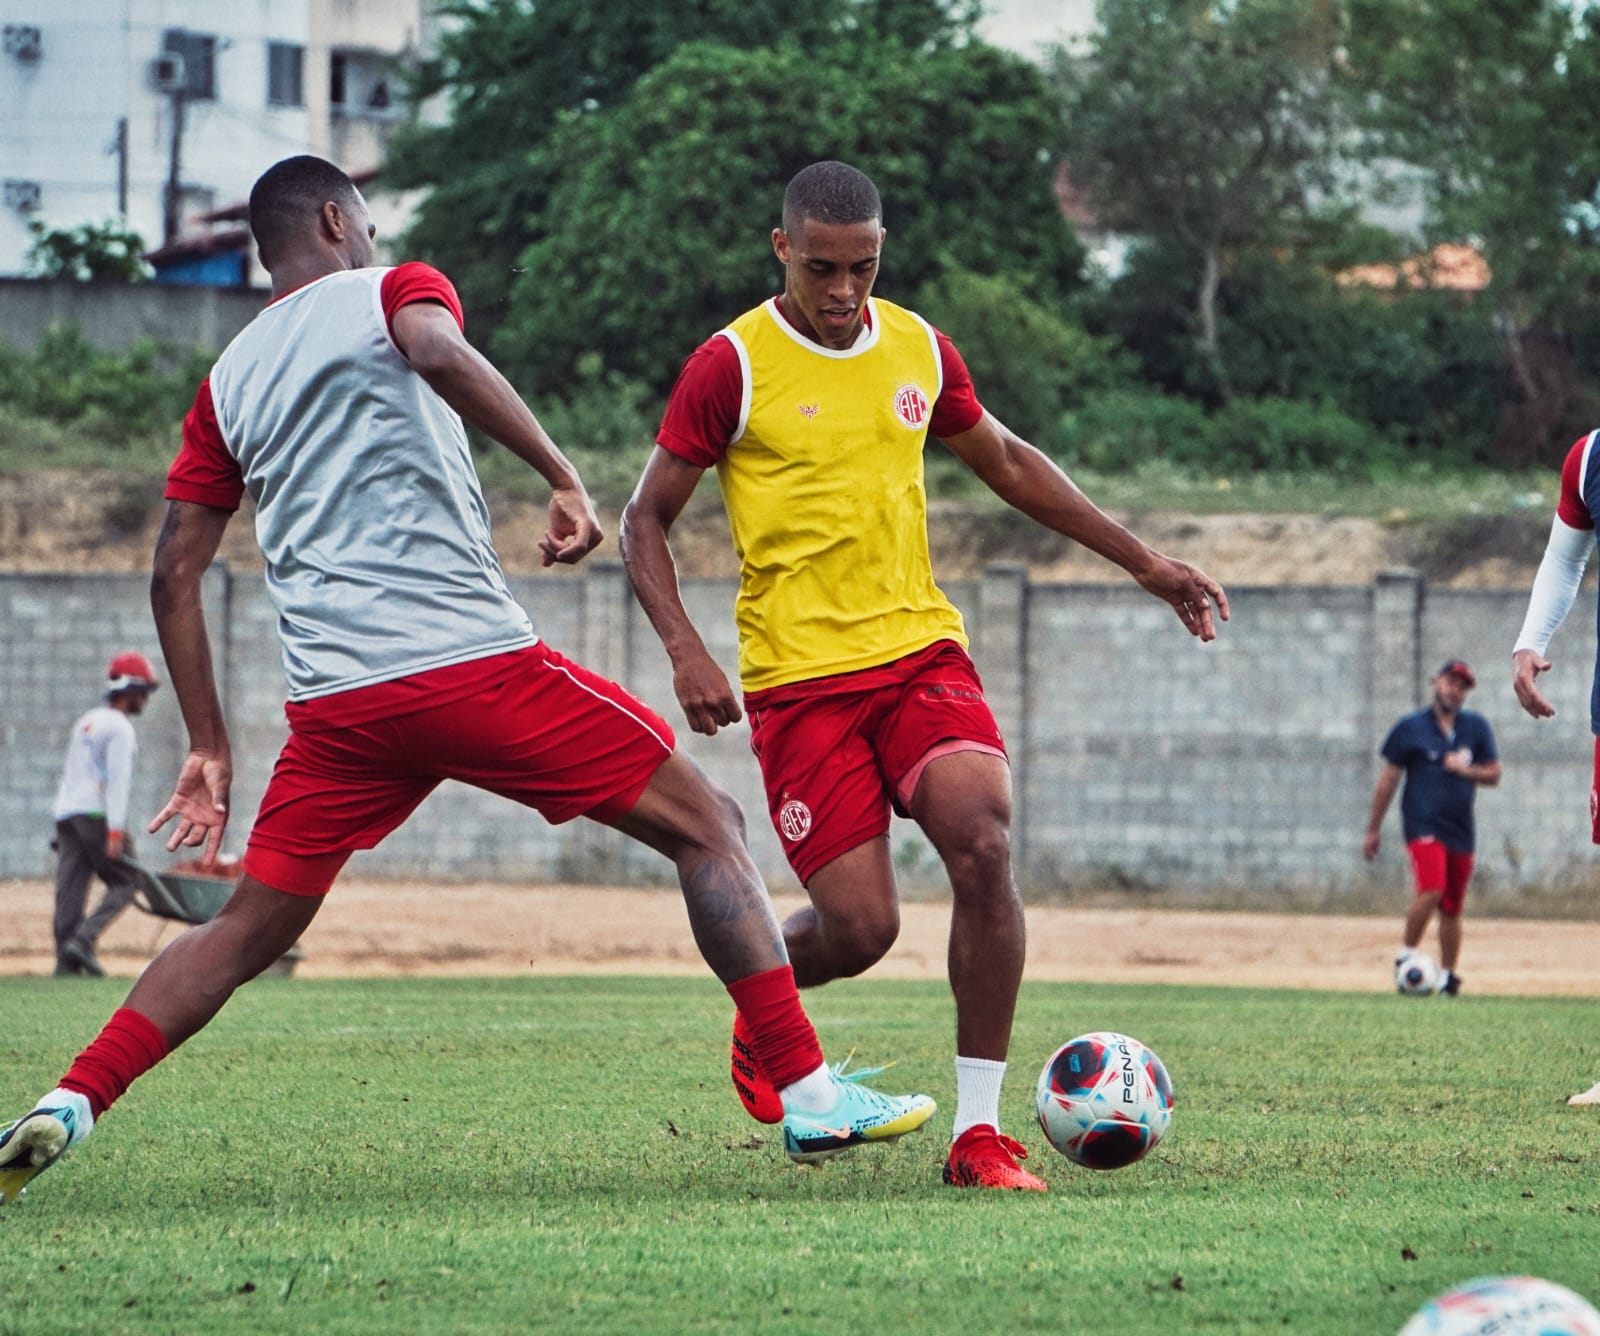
(1441, 871)
(546, 732)
(838, 752)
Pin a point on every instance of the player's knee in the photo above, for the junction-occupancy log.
(857, 946)
(980, 856)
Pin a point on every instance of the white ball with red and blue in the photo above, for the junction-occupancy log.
(1417, 974)
(1506, 1306)
(1104, 1100)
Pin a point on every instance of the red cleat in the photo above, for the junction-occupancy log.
(982, 1158)
(758, 1095)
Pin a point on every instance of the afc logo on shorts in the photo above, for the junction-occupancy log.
(911, 405)
(794, 820)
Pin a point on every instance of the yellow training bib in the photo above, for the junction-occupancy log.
(823, 485)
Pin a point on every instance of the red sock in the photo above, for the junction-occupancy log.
(780, 1030)
(128, 1047)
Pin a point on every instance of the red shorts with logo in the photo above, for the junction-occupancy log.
(838, 753)
(533, 726)
(1437, 869)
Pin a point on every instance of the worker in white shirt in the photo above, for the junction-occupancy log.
(91, 814)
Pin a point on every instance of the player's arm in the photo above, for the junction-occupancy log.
(430, 339)
(1382, 796)
(1028, 480)
(703, 690)
(1555, 588)
(189, 540)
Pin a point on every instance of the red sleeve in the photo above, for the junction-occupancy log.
(957, 409)
(417, 282)
(1572, 509)
(703, 409)
(204, 472)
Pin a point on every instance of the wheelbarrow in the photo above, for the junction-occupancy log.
(185, 894)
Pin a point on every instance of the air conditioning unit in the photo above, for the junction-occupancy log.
(167, 74)
(23, 196)
(22, 40)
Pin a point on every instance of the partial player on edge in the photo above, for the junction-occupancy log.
(1555, 589)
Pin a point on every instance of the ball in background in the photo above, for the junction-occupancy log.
(1506, 1306)
(1104, 1100)
(1417, 974)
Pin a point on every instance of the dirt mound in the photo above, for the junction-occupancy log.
(75, 521)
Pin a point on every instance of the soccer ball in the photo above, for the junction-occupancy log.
(1104, 1100)
(1506, 1306)
(1416, 974)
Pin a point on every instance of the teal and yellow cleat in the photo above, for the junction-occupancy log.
(32, 1144)
(859, 1115)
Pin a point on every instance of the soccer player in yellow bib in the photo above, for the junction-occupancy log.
(814, 408)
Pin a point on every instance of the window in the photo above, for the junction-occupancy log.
(337, 79)
(285, 74)
(199, 52)
(359, 84)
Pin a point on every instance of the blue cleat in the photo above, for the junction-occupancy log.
(859, 1114)
(34, 1142)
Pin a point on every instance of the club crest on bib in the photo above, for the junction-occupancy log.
(794, 820)
(911, 405)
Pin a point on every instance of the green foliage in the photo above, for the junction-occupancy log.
(1290, 435)
(565, 1155)
(109, 250)
(1424, 368)
(658, 225)
(112, 397)
(1029, 362)
(1208, 128)
(512, 71)
(1124, 430)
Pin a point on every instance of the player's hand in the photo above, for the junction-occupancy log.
(1525, 669)
(1458, 761)
(114, 845)
(1197, 599)
(574, 530)
(708, 701)
(200, 802)
(1369, 846)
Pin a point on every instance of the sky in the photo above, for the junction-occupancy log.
(1029, 26)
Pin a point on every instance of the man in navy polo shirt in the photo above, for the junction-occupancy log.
(1445, 753)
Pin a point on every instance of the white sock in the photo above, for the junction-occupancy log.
(83, 1121)
(977, 1094)
(813, 1093)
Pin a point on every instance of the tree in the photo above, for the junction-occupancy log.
(107, 250)
(656, 231)
(1209, 127)
(512, 71)
(1493, 102)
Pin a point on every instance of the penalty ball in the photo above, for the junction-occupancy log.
(1104, 1100)
(1417, 974)
(1506, 1306)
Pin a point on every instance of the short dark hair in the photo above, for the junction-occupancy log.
(287, 197)
(830, 192)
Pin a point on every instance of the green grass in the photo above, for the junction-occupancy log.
(565, 1155)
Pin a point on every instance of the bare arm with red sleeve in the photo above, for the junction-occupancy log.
(701, 417)
(1555, 586)
(425, 321)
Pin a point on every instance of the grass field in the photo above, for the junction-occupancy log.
(565, 1155)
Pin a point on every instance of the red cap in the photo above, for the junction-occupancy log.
(1459, 668)
(130, 671)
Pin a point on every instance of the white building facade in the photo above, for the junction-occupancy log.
(159, 112)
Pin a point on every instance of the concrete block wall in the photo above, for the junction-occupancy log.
(1140, 756)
